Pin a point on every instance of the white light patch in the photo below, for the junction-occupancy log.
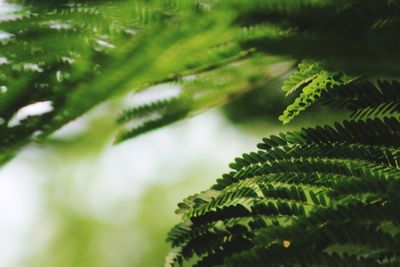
(57, 25)
(131, 31)
(7, 11)
(32, 67)
(189, 78)
(3, 60)
(35, 109)
(104, 44)
(5, 37)
(67, 60)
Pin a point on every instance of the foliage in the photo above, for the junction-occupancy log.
(77, 55)
(327, 191)
(320, 196)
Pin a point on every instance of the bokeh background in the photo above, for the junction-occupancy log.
(79, 201)
(110, 206)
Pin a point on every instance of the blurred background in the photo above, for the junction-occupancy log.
(110, 206)
(77, 200)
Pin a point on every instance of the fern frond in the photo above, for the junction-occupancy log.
(366, 100)
(300, 182)
(151, 124)
(306, 72)
(205, 88)
(146, 109)
(77, 55)
(313, 81)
